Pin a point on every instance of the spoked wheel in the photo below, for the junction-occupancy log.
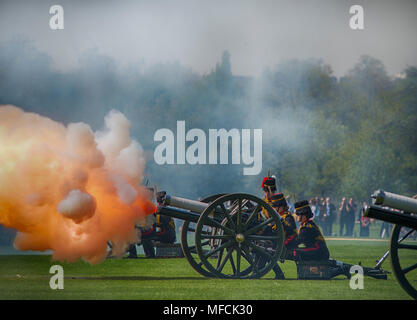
(188, 245)
(403, 250)
(246, 244)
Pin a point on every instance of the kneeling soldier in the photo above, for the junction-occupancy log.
(163, 230)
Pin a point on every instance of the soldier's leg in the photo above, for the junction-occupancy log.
(132, 251)
(147, 238)
(148, 248)
(261, 261)
(279, 275)
(306, 254)
(168, 235)
(339, 268)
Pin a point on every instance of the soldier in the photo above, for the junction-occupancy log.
(279, 203)
(163, 230)
(315, 246)
(310, 235)
(269, 187)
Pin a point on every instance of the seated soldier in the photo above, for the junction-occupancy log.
(315, 248)
(163, 230)
(309, 235)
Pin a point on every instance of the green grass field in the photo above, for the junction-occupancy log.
(27, 277)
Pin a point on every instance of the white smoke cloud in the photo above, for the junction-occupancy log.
(126, 193)
(82, 145)
(77, 206)
(131, 161)
(115, 136)
(123, 155)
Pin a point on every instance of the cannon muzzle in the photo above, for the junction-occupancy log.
(402, 219)
(396, 201)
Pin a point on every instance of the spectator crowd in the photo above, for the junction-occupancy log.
(347, 213)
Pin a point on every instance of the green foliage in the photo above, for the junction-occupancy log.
(362, 135)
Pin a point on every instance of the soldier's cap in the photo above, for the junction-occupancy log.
(278, 200)
(303, 208)
(268, 183)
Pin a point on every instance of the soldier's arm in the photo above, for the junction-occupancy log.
(290, 230)
(302, 235)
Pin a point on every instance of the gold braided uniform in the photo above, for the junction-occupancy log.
(310, 235)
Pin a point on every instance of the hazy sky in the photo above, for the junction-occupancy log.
(258, 34)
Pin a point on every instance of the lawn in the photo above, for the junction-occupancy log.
(27, 277)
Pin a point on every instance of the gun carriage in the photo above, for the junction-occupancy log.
(227, 236)
(401, 211)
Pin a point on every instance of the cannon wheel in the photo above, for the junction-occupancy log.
(400, 272)
(242, 236)
(188, 249)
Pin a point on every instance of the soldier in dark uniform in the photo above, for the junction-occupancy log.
(315, 247)
(163, 230)
(269, 187)
(309, 235)
(279, 203)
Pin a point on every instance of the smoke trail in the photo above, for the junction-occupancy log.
(68, 189)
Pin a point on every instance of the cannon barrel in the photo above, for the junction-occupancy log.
(195, 206)
(380, 213)
(190, 216)
(183, 203)
(396, 201)
(184, 209)
(179, 213)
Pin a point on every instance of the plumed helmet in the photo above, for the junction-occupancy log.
(269, 184)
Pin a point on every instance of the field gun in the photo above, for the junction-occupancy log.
(226, 236)
(401, 211)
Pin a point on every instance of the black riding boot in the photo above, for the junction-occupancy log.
(340, 270)
(132, 252)
(279, 275)
(148, 248)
